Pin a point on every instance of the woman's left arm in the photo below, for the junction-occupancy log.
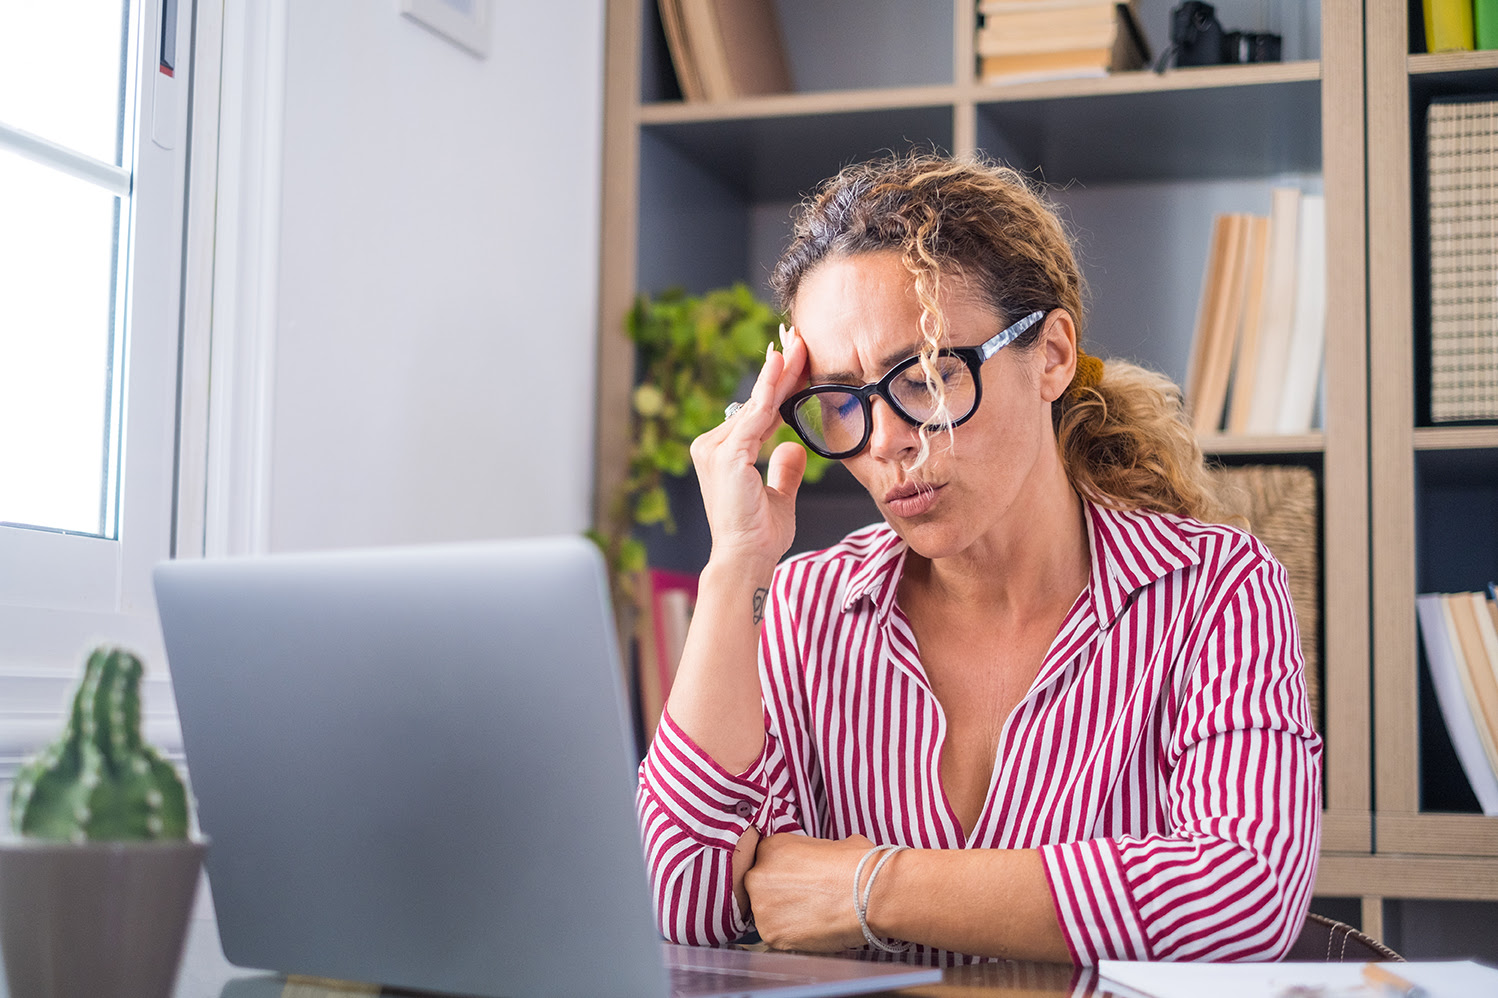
(1230, 879)
(981, 901)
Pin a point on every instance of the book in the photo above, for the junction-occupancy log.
(1217, 259)
(1216, 321)
(1065, 50)
(1479, 681)
(1485, 24)
(1028, 29)
(681, 54)
(664, 601)
(736, 47)
(1258, 410)
(1041, 21)
(987, 7)
(1281, 506)
(1032, 66)
(1448, 26)
(1223, 341)
(1307, 347)
(652, 696)
(1245, 363)
(1486, 613)
(1451, 697)
(1462, 169)
(672, 596)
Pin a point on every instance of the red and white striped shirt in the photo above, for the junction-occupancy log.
(1164, 760)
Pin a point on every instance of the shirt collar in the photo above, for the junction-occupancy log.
(1130, 549)
(876, 575)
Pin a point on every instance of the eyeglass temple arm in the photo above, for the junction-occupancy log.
(1009, 335)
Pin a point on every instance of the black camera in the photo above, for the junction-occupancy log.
(1198, 39)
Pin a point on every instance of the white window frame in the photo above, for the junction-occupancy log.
(195, 478)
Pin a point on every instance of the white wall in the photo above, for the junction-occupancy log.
(434, 355)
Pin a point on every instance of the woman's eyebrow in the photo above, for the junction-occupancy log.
(888, 361)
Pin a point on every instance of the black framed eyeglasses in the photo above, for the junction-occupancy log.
(836, 421)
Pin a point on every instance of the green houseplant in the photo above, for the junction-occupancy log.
(97, 887)
(693, 353)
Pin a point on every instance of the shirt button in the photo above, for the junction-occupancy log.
(743, 809)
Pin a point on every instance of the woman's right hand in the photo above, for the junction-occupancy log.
(753, 518)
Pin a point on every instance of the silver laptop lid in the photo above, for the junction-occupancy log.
(369, 735)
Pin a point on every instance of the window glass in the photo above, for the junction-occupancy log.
(57, 262)
(62, 72)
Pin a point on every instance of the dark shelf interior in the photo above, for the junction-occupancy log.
(1231, 131)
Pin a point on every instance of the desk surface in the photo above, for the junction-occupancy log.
(206, 974)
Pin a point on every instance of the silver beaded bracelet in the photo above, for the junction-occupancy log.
(861, 899)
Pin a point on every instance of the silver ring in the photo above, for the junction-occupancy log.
(733, 407)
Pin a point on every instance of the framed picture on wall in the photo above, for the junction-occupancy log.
(464, 22)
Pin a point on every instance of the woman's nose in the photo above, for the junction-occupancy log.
(891, 438)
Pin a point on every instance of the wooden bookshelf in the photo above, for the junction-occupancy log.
(1423, 849)
(715, 176)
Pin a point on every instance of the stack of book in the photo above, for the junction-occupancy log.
(664, 612)
(725, 49)
(1460, 634)
(1256, 357)
(1048, 39)
(1463, 169)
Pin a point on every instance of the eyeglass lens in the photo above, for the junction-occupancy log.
(835, 421)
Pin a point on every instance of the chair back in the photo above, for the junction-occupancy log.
(1326, 940)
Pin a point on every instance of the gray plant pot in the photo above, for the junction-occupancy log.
(96, 919)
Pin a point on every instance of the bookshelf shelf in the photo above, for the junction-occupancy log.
(1425, 64)
(1257, 127)
(1407, 876)
(798, 104)
(1456, 437)
(1435, 833)
(1300, 443)
(780, 158)
(1145, 81)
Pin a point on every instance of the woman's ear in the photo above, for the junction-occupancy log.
(1056, 350)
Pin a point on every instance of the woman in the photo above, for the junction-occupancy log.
(1074, 709)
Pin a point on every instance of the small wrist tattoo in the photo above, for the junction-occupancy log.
(759, 604)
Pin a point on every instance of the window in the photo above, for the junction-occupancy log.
(92, 188)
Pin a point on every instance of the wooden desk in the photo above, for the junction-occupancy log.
(206, 974)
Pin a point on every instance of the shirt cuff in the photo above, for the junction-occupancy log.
(1093, 905)
(713, 805)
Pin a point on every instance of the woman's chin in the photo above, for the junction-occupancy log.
(930, 538)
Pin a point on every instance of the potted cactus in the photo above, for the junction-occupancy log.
(97, 883)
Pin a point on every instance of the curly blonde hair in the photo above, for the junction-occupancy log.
(1123, 437)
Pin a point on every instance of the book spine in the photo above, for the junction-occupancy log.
(1448, 26)
(1485, 23)
(1453, 701)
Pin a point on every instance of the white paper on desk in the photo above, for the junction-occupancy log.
(1460, 979)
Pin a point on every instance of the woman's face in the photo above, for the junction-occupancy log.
(859, 316)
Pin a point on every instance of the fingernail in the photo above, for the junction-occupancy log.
(770, 350)
(782, 336)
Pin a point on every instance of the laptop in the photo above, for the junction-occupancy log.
(415, 767)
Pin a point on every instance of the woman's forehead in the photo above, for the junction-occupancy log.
(860, 315)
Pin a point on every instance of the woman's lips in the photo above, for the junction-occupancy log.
(910, 500)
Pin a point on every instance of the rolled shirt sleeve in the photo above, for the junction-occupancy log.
(1232, 877)
(693, 813)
